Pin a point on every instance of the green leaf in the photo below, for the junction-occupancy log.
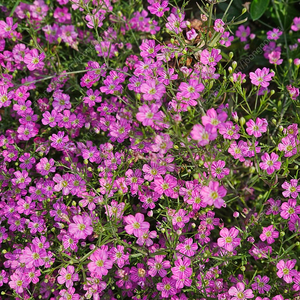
(257, 8)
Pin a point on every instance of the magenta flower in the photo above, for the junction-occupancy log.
(213, 194)
(295, 26)
(219, 25)
(187, 248)
(158, 265)
(21, 179)
(136, 224)
(229, 131)
(204, 134)
(260, 284)
(274, 34)
(192, 89)
(158, 8)
(45, 166)
(180, 218)
(165, 185)
(243, 33)
(292, 188)
(269, 234)
(257, 128)
(59, 140)
(286, 271)
(226, 39)
(181, 269)
(100, 263)
(214, 118)
(218, 169)
(289, 210)
(152, 91)
(81, 228)
(153, 170)
(239, 292)
(67, 276)
(149, 115)
(7, 28)
(261, 77)
(34, 60)
(138, 274)
(270, 163)
(228, 239)
(210, 58)
(149, 49)
(167, 287)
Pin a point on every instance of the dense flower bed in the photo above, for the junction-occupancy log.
(148, 151)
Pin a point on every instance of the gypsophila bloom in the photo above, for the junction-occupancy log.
(291, 188)
(269, 234)
(239, 292)
(228, 239)
(285, 270)
(270, 163)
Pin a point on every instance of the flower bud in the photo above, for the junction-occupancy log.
(230, 55)
(244, 10)
(242, 121)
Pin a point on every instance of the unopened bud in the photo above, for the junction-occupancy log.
(242, 121)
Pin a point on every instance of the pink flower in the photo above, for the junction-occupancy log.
(136, 224)
(257, 128)
(81, 228)
(226, 39)
(289, 210)
(100, 263)
(288, 145)
(243, 33)
(158, 265)
(261, 284)
(149, 115)
(7, 28)
(292, 188)
(270, 163)
(213, 118)
(191, 34)
(34, 60)
(165, 185)
(217, 169)
(180, 219)
(228, 239)
(274, 34)
(296, 24)
(213, 194)
(293, 91)
(148, 48)
(286, 271)
(158, 8)
(152, 91)
(59, 140)
(261, 77)
(153, 170)
(67, 276)
(274, 58)
(210, 58)
(192, 89)
(239, 292)
(219, 25)
(269, 233)
(229, 131)
(167, 287)
(204, 134)
(181, 269)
